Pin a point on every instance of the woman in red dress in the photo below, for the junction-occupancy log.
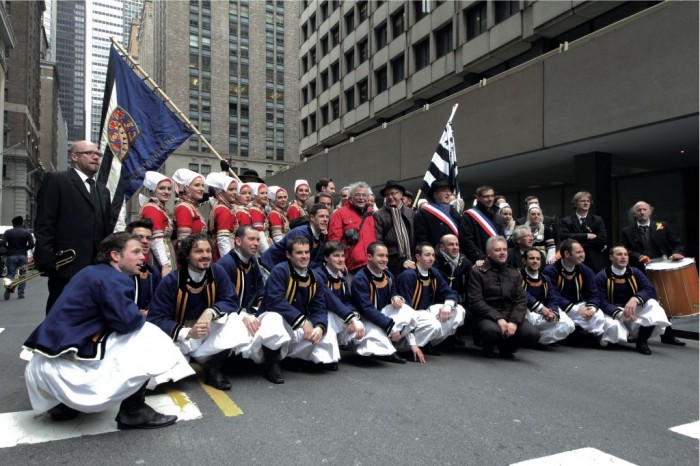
(277, 218)
(241, 209)
(188, 219)
(160, 190)
(222, 222)
(297, 208)
(258, 212)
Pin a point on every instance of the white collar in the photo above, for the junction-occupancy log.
(617, 271)
(301, 272)
(196, 276)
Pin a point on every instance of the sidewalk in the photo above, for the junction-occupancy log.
(686, 327)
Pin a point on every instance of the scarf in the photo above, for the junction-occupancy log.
(401, 232)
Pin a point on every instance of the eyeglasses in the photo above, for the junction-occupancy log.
(89, 152)
(361, 196)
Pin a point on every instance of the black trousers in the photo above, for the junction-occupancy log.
(525, 335)
(56, 286)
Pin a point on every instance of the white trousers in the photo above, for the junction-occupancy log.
(651, 314)
(374, 343)
(226, 333)
(450, 326)
(607, 329)
(554, 331)
(130, 360)
(325, 351)
(271, 334)
(417, 328)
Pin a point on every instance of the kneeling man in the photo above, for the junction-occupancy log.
(196, 306)
(625, 293)
(95, 348)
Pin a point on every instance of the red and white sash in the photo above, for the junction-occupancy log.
(446, 219)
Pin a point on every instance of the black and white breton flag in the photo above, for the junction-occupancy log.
(444, 162)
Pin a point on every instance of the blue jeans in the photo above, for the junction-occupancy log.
(13, 263)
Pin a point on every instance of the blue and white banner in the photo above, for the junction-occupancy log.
(138, 132)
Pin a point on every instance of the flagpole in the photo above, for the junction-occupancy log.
(168, 101)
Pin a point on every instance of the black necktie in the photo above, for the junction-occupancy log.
(582, 220)
(643, 229)
(93, 191)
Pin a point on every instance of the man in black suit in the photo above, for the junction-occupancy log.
(587, 229)
(73, 212)
(437, 217)
(646, 240)
(480, 223)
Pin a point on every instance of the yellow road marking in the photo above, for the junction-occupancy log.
(178, 397)
(219, 397)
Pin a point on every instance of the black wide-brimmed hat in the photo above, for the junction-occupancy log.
(251, 176)
(392, 184)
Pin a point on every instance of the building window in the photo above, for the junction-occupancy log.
(349, 61)
(312, 122)
(397, 24)
(324, 45)
(312, 57)
(206, 169)
(380, 78)
(380, 37)
(350, 22)
(324, 80)
(304, 96)
(397, 70)
(312, 24)
(420, 9)
(422, 54)
(335, 36)
(194, 167)
(362, 51)
(443, 40)
(362, 9)
(324, 115)
(304, 127)
(505, 9)
(335, 72)
(350, 99)
(324, 11)
(475, 18)
(312, 90)
(335, 109)
(363, 91)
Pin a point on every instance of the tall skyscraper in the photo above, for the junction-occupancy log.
(68, 51)
(105, 19)
(235, 75)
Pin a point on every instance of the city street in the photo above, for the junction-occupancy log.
(589, 406)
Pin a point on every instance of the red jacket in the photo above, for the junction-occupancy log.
(344, 219)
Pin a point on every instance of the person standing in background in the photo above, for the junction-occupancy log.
(17, 241)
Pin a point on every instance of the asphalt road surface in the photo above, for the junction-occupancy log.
(589, 406)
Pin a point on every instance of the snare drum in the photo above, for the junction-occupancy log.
(676, 284)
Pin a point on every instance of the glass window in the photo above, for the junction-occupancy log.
(362, 51)
(422, 54)
(420, 9)
(349, 61)
(363, 91)
(380, 36)
(335, 36)
(443, 40)
(335, 109)
(475, 18)
(397, 24)
(362, 10)
(350, 99)
(380, 78)
(397, 69)
(349, 22)
(504, 9)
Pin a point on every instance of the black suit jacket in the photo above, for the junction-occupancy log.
(664, 242)
(430, 229)
(66, 219)
(595, 248)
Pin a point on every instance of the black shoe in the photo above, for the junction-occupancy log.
(273, 373)
(430, 349)
(487, 351)
(144, 417)
(672, 341)
(7, 295)
(62, 412)
(393, 358)
(643, 348)
(20, 296)
(216, 379)
(554, 345)
(331, 366)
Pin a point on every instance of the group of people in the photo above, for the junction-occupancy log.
(388, 283)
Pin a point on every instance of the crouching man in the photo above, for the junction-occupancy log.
(426, 291)
(95, 348)
(626, 294)
(543, 302)
(496, 296)
(267, 337)
(196, 306)
(364, 338)
(296, 293)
